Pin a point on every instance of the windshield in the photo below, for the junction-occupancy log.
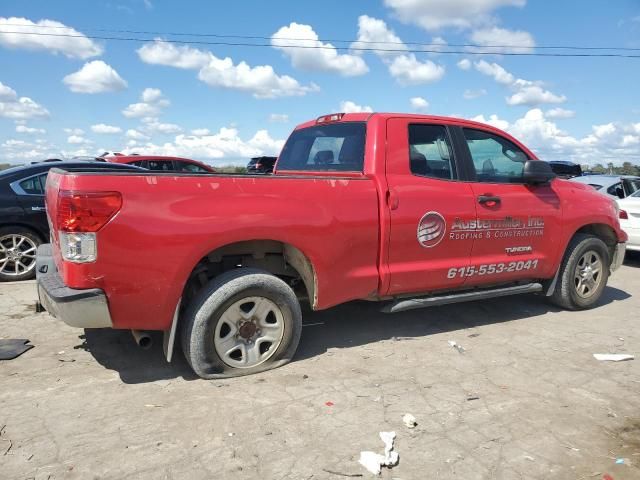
(333, 147)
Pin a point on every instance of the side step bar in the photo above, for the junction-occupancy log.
(412, 303)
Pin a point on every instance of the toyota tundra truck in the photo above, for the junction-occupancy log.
(407, 210)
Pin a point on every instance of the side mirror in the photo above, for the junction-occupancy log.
(537, 172)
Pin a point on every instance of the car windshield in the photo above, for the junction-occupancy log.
(332, 147)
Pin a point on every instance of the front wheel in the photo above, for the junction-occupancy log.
(244, 321)
(583, 274)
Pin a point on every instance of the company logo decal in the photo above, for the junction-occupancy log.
(431, 229)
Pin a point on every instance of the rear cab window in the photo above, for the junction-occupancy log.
(430, 152)
(334, 147)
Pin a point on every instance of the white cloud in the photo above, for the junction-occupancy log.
(73, 131)
(419, 103)
(77, 140)
(437, 14)
(261, 81)
(75, 45)
(464, 64)
(471, 94)
(513, 41)
(404, 67)
(226, 143)
(534, 95)
(19, 108)
(526, 92)
(609, 142)
(153, 126)
(151, 105)
(279, 118)
(560, 113)
(374, 33)
(30, 130)
(95, 77)
(493, 120)
(200, 132)
(136, 135)
(164, 53)
(408, 70)
(105, 129)
(348, 106)
(494, 70)
(320, 57)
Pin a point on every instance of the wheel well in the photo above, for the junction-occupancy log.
(279, 258)
(37, 233)
(603, 232)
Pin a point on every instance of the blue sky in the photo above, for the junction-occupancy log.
(81, 96)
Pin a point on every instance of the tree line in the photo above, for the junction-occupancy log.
(627, 168)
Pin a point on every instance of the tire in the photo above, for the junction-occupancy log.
(264, 312)
(571, 292)
(18, 248)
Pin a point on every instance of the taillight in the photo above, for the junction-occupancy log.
(79, 215)
(623, 215)
(86, 211)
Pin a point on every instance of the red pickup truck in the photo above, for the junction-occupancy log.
(409, 210)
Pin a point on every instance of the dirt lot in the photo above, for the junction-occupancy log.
(525, 400)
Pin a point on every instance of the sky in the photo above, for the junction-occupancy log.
(202, 98)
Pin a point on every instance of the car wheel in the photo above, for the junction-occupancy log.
(583, 274)
(244, 321)
(17, 254)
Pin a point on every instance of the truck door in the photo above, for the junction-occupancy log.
(517, 224)
(425, 197)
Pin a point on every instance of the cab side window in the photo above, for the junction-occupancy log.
(189, 167)
(160, 165)
(495, 159)
(430, 152)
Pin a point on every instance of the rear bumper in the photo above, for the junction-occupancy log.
(618, 256)
(87, 308)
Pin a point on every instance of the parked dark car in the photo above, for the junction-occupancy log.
(261, 165)
(23, 220)
(565, 169)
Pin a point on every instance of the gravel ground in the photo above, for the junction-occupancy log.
(525, 400)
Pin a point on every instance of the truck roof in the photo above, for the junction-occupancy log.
(367, 116)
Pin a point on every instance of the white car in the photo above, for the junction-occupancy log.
(616, 186)
(630, 219)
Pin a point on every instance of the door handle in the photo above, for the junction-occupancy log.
(489, 200)
(392, 199)
(38, 209)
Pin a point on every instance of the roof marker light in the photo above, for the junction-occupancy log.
(334, 117)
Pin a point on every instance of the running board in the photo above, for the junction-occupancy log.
(411, 303)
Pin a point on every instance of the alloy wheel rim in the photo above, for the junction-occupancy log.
(588, 274)
(249, 332)
(17, 255)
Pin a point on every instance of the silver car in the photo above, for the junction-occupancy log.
(615, 186)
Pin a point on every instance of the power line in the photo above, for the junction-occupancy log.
(324, 40)
(326, 47)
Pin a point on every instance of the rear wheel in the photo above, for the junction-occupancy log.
(583, 274)
(17, 254)
(244, 321)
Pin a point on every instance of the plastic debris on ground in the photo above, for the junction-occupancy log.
(613, 357)
(374, 462)
(409, 420)
(459, 348)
